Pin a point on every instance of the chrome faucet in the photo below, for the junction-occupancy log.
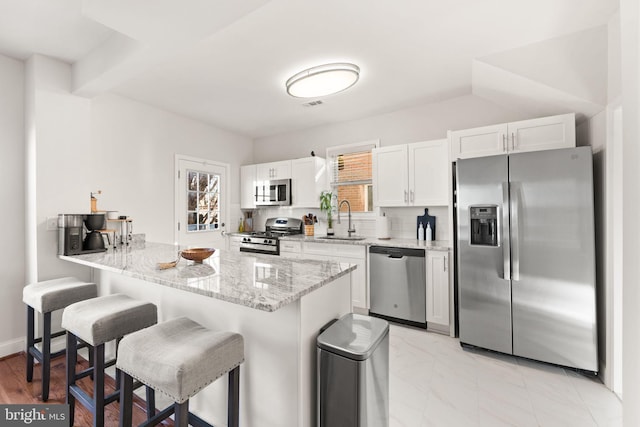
(351, 229)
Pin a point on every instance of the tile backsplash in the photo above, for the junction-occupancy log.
(402, 220)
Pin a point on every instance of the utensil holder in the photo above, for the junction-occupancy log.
(308, 230)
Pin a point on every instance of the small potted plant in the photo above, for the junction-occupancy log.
(326, 205)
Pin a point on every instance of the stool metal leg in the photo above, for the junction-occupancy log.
(72, 343)
(126, 399)
(46, 356)
(151, 402)
(30, 341)
(233, 403)
(98, 385)
(181, 412)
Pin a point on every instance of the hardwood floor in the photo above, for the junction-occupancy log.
(14, 388)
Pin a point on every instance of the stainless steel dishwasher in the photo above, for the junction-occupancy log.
(397, 285)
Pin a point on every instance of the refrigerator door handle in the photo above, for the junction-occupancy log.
(503, 229)
(515, 274)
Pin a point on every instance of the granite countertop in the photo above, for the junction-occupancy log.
(434, 245)
(263, 282)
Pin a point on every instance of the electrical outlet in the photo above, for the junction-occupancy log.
(52, 223)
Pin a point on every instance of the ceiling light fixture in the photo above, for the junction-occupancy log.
(323, 80)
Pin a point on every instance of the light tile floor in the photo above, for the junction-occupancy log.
(435, 382)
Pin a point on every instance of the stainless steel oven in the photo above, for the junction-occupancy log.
(267, 242)
(274, 193)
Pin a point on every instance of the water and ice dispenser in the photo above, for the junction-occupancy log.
(484, 225)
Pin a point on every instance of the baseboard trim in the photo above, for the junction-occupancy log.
(8, 348)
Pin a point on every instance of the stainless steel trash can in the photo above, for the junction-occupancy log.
(353, 373)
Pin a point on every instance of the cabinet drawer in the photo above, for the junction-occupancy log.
(288, 246)
(335, 250)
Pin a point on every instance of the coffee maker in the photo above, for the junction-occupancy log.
(78, 234)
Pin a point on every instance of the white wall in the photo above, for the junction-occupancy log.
(630, 89)
(421, 123)
(133, 147)
(12, 186)
(58, 134)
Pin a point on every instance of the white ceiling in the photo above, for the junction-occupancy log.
(225, 62)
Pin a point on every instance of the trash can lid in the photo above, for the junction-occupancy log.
(354, 336)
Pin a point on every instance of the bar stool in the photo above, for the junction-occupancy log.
(96, 322)
(179, 358)
(47, 297)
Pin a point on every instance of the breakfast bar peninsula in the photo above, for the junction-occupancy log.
(277, 304)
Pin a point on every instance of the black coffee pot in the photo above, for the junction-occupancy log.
(93, 239)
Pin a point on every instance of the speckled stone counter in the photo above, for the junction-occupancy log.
(263, 282)
(435, 245)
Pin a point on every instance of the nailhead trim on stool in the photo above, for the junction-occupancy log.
(179, 358)
(46, 297)
(97, 322)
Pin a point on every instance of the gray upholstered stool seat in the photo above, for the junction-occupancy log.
(96, 322)
(179, 358)
(104, 319)
(46, 297)
(56, 294)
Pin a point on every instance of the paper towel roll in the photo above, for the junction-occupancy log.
(382, 227)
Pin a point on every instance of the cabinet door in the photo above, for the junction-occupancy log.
(248, 187)
(273, 170)
(352, 254)
(264, 171)
(478, 142)
(281, 170)
(438, 287)
(234, 243)
(543, 134)
(289, 249)
(308, 179)
(390, 176)
(428, 173)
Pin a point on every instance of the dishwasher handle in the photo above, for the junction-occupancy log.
(396, 253)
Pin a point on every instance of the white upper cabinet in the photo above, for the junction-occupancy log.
(411, 174)
(273, 170)
(390, 176)
(428, 173)
(308, 179)
(248, 187)
(526, 135)
(543, 134)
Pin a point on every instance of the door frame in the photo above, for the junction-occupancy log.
(225, 211)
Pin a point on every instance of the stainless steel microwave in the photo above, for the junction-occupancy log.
(273, 193)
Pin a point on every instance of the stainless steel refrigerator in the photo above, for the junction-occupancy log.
(526, 255)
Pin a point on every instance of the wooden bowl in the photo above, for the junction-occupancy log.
(197, 254)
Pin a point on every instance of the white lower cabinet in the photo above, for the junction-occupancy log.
(438, 290)
(234, 243)
(352, 254)
(289, 249)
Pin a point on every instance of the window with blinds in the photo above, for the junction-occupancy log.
(350, 174)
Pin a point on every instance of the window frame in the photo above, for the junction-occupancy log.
(205, 227)
(353, 147)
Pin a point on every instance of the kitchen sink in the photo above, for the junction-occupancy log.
(341, 237)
